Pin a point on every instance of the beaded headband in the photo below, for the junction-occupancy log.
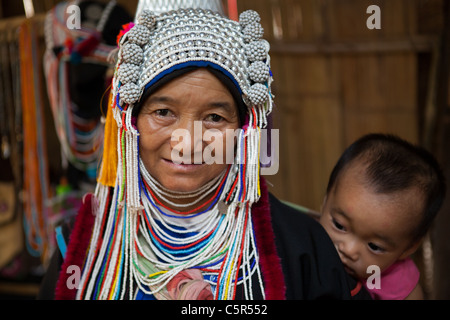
(159, 6)
(159, 44)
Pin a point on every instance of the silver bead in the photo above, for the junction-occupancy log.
(173, 58)
(247, 17)
(256, 51)
(147, 19)
(253, 32)
(132, 53)
(259, 72)
(139, 35)
(128, 73)
(129, 93)
(258, 94)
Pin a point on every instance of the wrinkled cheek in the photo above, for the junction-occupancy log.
(148, 149)
(144, 154)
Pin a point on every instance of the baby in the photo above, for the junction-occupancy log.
(381, 199)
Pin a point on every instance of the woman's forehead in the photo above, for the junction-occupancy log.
(199, 87)
(201, 78)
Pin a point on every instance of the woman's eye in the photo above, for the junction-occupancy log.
(375, 248)
(338, 225)
(214, 118)
(162, 112)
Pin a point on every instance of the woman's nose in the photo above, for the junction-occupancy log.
(187, 140)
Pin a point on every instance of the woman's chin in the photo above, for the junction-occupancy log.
(186, 178)
(183, 184)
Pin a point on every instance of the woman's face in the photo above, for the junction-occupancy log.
(173, 121)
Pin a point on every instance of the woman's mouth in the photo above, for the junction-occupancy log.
(183, 166)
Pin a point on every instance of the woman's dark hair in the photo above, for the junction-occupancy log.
(394, 164)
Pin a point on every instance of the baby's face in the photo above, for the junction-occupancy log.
(369, 228)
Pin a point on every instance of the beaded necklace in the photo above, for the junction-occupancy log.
(150, 251)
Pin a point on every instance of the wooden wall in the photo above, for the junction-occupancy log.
(336, 80)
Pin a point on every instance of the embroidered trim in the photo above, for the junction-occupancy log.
(356, 290)
(76, 250)
(270, 262)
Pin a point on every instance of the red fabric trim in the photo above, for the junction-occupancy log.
(358, 287)
(270, 262)
(77, 248)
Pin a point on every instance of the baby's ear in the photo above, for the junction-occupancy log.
(413, 248)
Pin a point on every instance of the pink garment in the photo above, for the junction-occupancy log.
(397, 281)
(189, 285)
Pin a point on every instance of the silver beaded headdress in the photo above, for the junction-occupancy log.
(158, 44)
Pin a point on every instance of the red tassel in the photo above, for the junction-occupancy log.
(77, 249)
(270, 262)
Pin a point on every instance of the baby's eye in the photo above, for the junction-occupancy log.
(338, 225)
(375, 248)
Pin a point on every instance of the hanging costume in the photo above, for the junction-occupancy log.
(241, 243)
(76, 67)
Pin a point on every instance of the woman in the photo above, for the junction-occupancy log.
(169, 223)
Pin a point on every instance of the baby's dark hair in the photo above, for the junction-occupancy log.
(394, 164)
